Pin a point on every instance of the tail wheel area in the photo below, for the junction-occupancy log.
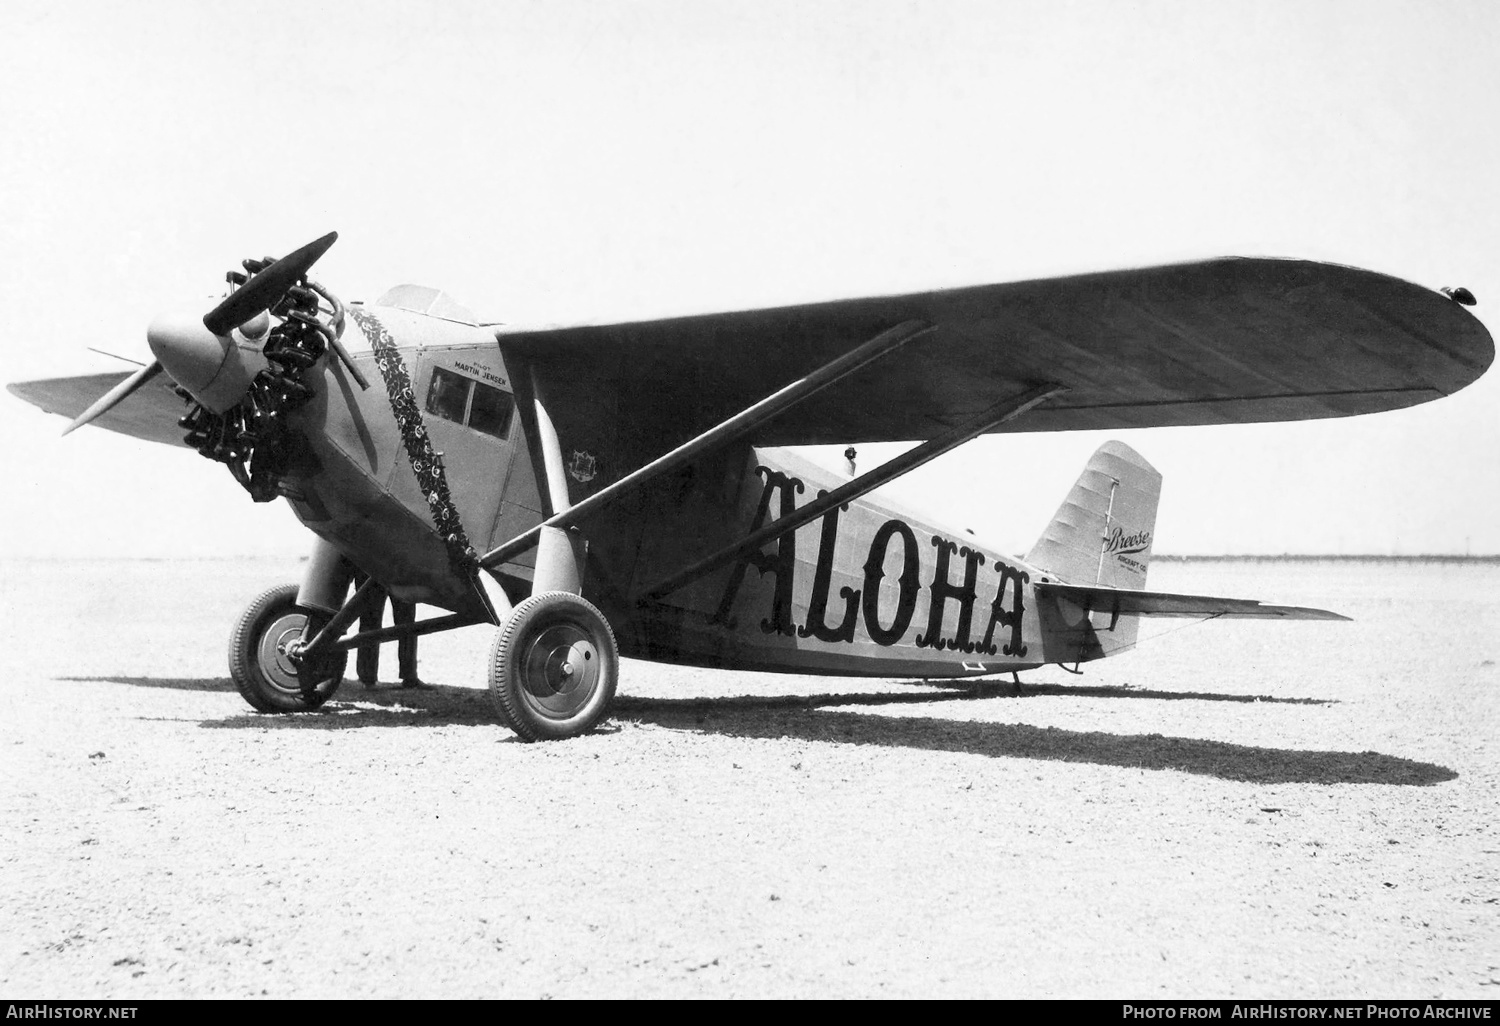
(553, 667)
(261, 659)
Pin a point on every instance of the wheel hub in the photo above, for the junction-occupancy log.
(561, 670)
(280, 652)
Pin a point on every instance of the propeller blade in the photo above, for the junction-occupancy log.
(262, 291)
(108, 400)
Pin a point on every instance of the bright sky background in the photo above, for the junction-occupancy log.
(562, 161)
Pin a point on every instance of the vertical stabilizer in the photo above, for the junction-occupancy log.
(1102, 533)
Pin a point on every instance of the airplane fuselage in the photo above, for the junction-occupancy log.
(869, 588)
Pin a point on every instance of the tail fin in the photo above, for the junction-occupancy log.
(1102, 533)
(1100, 536)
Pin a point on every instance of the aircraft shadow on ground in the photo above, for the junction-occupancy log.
(1004, 689)
(170, 683)
(806, 718)
(355, 707)
(814, 718)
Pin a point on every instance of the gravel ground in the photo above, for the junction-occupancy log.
(1235, 810)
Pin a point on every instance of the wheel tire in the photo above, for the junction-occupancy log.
(264, 676)
(553, 667)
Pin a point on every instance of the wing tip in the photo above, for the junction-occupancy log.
(1309, 613)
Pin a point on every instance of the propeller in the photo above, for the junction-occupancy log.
(267, 286)
(200, 358)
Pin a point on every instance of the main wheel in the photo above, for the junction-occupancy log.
(259, 660)
(553, 667)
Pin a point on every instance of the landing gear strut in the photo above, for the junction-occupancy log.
(264, 656)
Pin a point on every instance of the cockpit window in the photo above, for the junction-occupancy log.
(466, 401)
(448, 395)
(490, 411)
(423, 300)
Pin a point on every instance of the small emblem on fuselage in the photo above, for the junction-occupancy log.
(581, 466)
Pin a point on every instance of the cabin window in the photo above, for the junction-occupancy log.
(466, 401)
(448, 395)
(490, 410)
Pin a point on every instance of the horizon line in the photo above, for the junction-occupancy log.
(1351, 557)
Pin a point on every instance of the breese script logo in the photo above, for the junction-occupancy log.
(1120, 543)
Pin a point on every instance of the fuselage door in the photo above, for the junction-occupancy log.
(469, 411)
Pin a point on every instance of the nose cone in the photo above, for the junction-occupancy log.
(207, 365)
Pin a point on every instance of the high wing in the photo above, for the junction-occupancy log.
(1231, 340)
(150, 413)
(1223, 341)
(1125, 602)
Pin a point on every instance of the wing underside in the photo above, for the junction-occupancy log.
(150, 413)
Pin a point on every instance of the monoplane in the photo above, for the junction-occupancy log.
(605, 489)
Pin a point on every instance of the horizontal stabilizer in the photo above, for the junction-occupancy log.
(1125, 602)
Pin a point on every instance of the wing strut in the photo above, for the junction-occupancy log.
(740, 424)
(999, 413)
